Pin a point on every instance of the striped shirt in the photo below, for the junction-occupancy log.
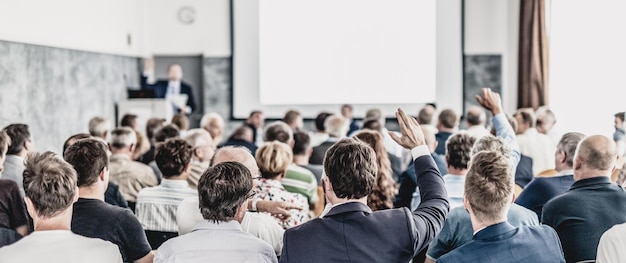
(156, 206)
(301, 181)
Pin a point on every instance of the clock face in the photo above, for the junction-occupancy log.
(186, 15)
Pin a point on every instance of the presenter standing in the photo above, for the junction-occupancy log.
(173, 85)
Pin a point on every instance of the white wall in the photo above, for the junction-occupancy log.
(209, 34)
(97, 26)
(449, 60)
(491, 27)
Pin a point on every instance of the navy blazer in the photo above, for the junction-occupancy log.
(351, 232)
(160, 88)
(505, 243)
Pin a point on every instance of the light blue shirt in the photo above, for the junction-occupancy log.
(505, 131)
(455, 186)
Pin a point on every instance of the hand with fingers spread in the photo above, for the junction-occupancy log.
(412, 135)
(490, 100)
(276, 208)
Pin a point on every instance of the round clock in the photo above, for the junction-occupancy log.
(186, 15)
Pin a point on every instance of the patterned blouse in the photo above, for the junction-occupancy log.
(273, 190)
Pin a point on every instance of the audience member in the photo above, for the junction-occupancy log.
(320, 135)
(619, 133)
(112, 195)
(425, 118)
(592, 205)
(156, 206)
(256, 122)
(182, 122)
(301, 154)
(390, 145)
(257, 221)
(447, 123)
(542, 189)
(350, 231)
(99, 127)
(214, 124)
(129, 120)
(242, 136)
(273, 158)
(524, 169)
(336, 126)
(129, 175)
(545, 123)
(50, 190)
(535, 145)
(13, 218)
(458, 150)
(223, 191)
(384, 188)
(293, 118)
(173, 85)
(488, 196)
(152, 125)
(141, 148)
(92, 217)
(347, 111)
(476, 119)
(21, 144)
(166, 132)
(397, 164)
(612, 243)
(297, 179)
(203, 150)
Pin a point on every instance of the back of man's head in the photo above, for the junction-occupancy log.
(49, 183)
(525, 116)
(375, 113)
(152, 125)
(278, 131)
(166, 132)
(72, 139)
(214, 124)
(336, 126)
(596, 152)
(302, 141)
(448, 119)
(236, 154)
(476, 116)
(172, 157)
(425, 115)
(222, 189)
(291, 117)
(244, 132)
(355, 180)
(19, 134)
(129, 120)
(459, 150)
(568, 144)
(620, 115)
(320, 119)
(492, 143)
(99, 126)
(198, 137)
(122, 137)
(88, 157)
(489, 186)
(181, 121)
(372, 124)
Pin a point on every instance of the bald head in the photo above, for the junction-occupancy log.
(236, 154)
(476, 116)
(596, 155)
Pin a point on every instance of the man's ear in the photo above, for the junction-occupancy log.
(577, 163)
(30, 207)
(132, 147)
(466, 204)
(187, 168)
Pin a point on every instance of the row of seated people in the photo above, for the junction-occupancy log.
(358, 188)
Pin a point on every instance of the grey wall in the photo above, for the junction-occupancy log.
(56, 91)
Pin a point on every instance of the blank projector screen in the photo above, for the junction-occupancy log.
(315, 55)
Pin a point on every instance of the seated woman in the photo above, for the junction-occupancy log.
(273, 158)
(384, 190)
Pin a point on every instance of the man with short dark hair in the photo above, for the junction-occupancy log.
(592, 205)
(293, 118)
(21, 144)
(488, 196)
(458, 150)
(222, 192)
(92, 217)
(446, 125)
(156, 206)
(13, 218)
(50, 187)
(350, 231)
(256, 122)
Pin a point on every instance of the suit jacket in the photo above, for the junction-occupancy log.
(524, 171)
(317, 155)
(505, 243)
(160, 90)
(351, 232)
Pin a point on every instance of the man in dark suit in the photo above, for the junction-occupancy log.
(173, 85)
(488, 196)
(350, 231)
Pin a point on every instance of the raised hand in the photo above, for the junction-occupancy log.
(412, 134)
(148, 64)
(490, 100)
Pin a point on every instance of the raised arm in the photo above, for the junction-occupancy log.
(491, 101)
(431, 213)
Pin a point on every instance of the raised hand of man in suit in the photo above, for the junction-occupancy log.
(412, 135)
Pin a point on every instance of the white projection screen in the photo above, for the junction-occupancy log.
(315, 55)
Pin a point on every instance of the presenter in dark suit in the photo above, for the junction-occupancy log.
(350, 231)
(173, 85)
(488, 196)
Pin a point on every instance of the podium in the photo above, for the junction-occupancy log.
(144, 109)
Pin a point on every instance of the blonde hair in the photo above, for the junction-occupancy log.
(273, 158)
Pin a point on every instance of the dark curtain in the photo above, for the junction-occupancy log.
(532, 76)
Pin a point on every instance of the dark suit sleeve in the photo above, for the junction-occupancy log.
(144, 82)
(191, 101)
(430, 215)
